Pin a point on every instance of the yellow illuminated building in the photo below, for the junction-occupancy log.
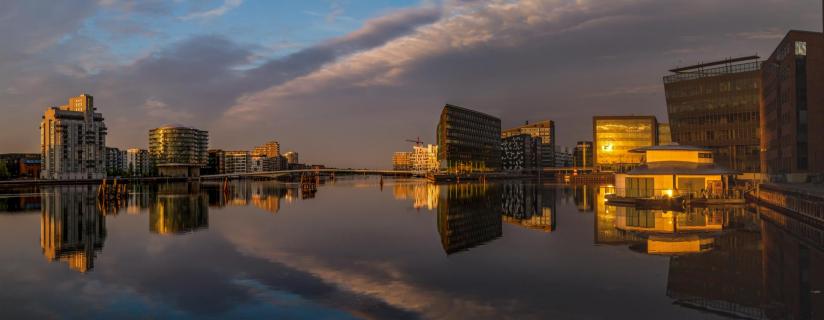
(673, 170)
(615, 136)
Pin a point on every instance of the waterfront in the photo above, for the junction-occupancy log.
(357, 248)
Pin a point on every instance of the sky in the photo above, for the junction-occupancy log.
(346, 82)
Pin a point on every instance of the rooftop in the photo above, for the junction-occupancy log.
(715, 68)
(668, 147)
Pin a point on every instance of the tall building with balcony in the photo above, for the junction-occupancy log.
(615, 136)
(238, 161)
(115, 161)
(468, 140)
(401, 160)
(544, 131)
(73, 141)
(793, 107)
(715, 105)
(270, 149)
(424, 159)
(138, 162)
(178, 150)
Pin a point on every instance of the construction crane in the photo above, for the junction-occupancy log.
(416, 141)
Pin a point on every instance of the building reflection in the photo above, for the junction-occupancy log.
(528, 205)
(585, 197)
(725, 280)
(72, 228)
(468, 215)
(179, 213)
(670, 232)
(423, 195)
(793, 259)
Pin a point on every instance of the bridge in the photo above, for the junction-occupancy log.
(280, 173)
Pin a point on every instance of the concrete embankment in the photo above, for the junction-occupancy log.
(804, 201)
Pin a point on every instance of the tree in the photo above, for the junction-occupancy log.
(4, 171)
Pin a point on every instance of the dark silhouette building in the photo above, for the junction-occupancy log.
(793, 105)
(715, 105)
(468, 141)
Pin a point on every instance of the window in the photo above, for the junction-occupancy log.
(705, 155)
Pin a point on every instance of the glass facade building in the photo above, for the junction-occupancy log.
(715, 105)
(178, 145)
(468, 141)
(615, 136)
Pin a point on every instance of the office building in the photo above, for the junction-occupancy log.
(583, 154)
(402, 160)
(270, 149)
(237, 161)
(291, 157)
(520, 153)
(115, 161)
(424, 159)
(178, 150)
(793, 107)
(138, 163)
(468, 141)
(615, 136)
(73, 141)
(542, 130)
(715, 105)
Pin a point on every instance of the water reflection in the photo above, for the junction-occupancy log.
(468, 215)
(72, 228)
(727, 262)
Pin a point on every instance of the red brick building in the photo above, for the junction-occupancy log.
(792, 107)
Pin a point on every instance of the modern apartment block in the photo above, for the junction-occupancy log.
(715, 105)
(520, 153)
(216, 163)
(138, 162)
(73, 141)
(115, 161)
(270, 149)
(178, 150)
(615, 136)
(424, 159)
(793, 107)
(542, 130)
(402, 160)
(238, 161)
(468, 141)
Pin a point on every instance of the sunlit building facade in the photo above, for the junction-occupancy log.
(544, 131)
(615, 136)
(238, 161)
(73, 141)
(793, 107)
(715, 105)
(269, 149)
(138, 162)
(292, 157)
(468, 141)
(178, 150)
(424, 159)
(402, 160)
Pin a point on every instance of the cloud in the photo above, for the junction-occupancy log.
(227, 6)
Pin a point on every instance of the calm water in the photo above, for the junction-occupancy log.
(407, 250)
